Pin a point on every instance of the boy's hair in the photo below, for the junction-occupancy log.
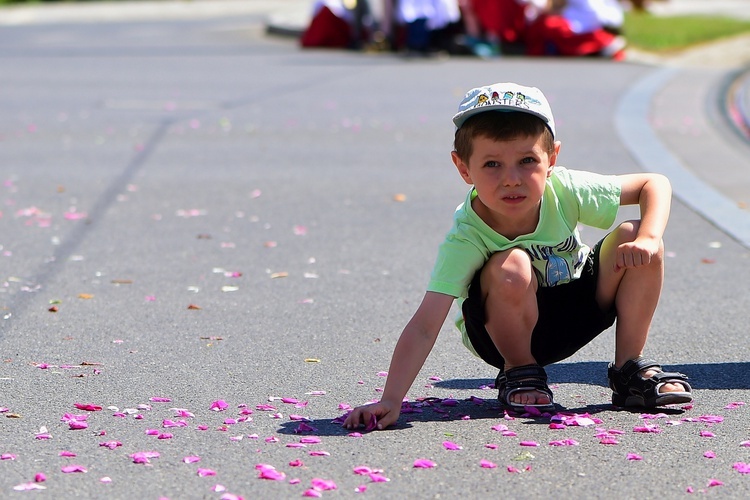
(500, 126)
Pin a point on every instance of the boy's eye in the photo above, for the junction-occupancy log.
(492, 164)
(528, 159)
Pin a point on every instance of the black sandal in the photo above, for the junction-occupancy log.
(523, 378)
(629, 388)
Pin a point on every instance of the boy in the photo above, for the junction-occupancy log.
(531, 293)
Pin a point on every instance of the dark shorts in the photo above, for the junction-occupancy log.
(569, 318)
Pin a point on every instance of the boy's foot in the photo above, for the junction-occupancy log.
(642, 382)
(524, 386)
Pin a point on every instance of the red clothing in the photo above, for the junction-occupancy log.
(505, 19)
(551, 35)
(327, 30)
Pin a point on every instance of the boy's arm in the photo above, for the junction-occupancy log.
(653, 193)
(411, 351)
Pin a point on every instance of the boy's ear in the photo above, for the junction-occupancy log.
(553, 158)
(463, 168)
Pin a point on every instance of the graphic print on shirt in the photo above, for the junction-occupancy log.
(557, 268)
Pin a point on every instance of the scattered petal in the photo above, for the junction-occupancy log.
(88, 407)
(29, 487)
(423, 463)
(323, 484)
(486, 464)
(450, 445)
(219, 405)
(68, 469)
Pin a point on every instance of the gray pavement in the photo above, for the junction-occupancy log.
(195, 211)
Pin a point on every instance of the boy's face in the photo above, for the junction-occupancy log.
(509, 177)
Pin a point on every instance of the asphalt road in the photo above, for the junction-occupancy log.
(195, 212)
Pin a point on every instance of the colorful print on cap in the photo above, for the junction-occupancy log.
(505, 97)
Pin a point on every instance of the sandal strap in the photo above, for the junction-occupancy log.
(522, 378)
(628, 380)
(519, 373)
(635, 366)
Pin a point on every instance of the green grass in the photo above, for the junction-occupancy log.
(668, 34)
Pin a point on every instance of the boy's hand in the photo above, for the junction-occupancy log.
(383, 413)
(636, 253)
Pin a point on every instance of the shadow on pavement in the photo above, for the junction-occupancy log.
(720, 376)
(725, 376)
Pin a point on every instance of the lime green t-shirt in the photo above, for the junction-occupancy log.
(555, 247)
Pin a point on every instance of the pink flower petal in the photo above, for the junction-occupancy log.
(486, 464)
(29, 487)
(714, 482)
(313, 493)
(709, 454)
(529, 443)
(144, 457)
(634, 456)
(270, 473)
(378, 478)
(362, 470)
(647, 429)
(8, 456)
(191, 459)
(88, 407)
(219, 405)
(66, 453)
(372, 424)
(564, 442)
(423, 463)
(319, 453)
(707, 434)
(450, 445)
(323, 484)
(68, 469)
(39, 477)
(741, 467)
(111, 444)
(296, 463)
(205, 472)
(158, 399)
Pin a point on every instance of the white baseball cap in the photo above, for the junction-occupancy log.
(505, 97)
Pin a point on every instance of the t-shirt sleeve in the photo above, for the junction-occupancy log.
(597, 195)
(457, 261)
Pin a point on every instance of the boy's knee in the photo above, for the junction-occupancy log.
(508, 272)
(627, 231)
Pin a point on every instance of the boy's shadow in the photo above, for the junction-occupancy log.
(726, 376)
(722, 376)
